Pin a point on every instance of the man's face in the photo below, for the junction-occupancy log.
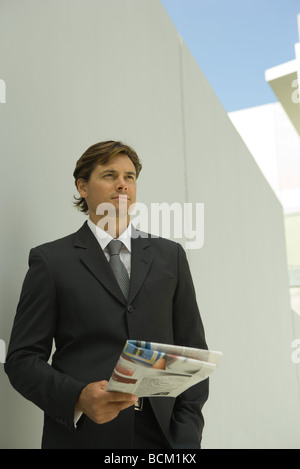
(113, 183)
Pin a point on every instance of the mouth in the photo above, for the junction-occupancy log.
(121, 197)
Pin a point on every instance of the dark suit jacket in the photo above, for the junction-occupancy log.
(70, 294)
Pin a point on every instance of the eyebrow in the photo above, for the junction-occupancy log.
(115, 171)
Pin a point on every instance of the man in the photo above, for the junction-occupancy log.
(71, 295)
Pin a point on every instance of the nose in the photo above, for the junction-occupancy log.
(121, 184)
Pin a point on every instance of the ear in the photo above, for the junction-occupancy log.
(82, 187)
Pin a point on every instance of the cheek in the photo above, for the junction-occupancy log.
(133, 192)
(99, 190)
(96, 196)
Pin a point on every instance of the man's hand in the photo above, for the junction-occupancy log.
(100, 405)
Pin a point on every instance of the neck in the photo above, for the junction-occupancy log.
(113, 226)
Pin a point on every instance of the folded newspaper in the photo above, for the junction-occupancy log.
(148, 369)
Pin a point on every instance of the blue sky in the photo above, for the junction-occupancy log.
(235, 41)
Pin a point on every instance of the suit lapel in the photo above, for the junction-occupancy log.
(95, 261)
(141, 259)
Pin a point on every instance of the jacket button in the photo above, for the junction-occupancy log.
(130, 308)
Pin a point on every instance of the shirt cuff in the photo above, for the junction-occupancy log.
(77, 415)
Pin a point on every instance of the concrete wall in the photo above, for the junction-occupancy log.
(275, 145)
(78, 72)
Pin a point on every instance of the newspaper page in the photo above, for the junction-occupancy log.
(149, 369)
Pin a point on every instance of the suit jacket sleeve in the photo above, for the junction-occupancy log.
(31, 343)
(187, 420)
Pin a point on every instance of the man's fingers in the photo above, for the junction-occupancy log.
(103, 384)
(102, 406)
(114, 396)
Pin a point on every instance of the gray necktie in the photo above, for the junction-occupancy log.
(118, 268)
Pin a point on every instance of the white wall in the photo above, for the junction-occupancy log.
(81, 71)
(275, 145)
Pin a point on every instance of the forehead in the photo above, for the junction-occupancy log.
(120, 162)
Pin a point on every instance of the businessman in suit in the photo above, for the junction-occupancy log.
(71, 296)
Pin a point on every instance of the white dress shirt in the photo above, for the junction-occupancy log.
(104, 238)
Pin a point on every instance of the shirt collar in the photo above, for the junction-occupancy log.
(104, 238)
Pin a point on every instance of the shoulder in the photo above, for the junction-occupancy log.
(158, 242)
(59, 248)
(57, 244)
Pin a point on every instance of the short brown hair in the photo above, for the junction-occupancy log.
(101, 153)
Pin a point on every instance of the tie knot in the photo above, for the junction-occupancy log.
(114, 247)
